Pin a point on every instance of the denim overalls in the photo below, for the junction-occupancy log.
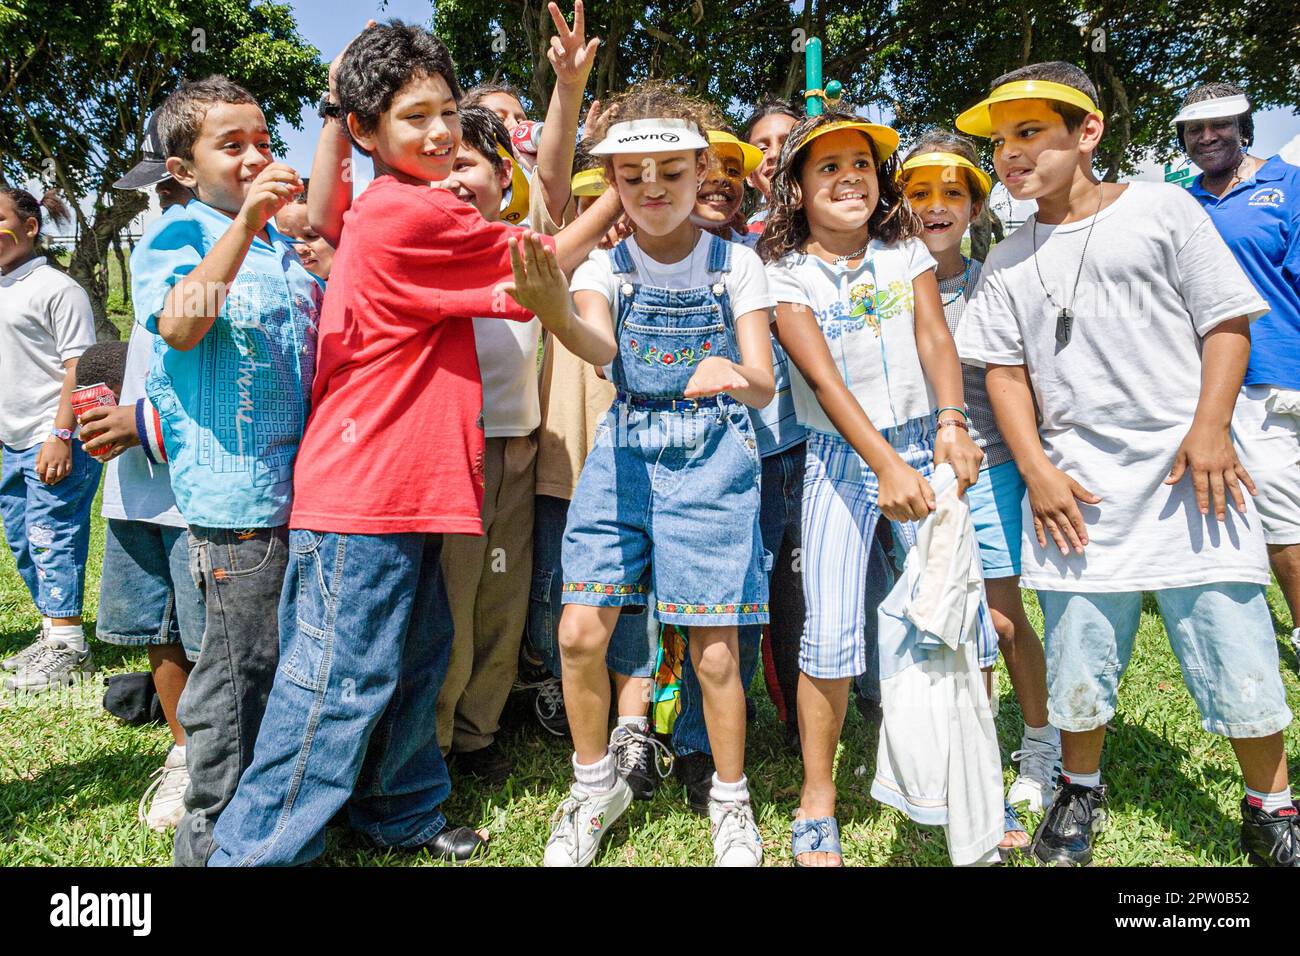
(668, 499)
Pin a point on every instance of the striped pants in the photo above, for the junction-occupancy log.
(840, 511)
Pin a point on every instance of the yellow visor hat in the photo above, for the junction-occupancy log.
(751, 157)
(977, 122)
(884, 138)
(589, 182)
(947, 160)
(516, 207)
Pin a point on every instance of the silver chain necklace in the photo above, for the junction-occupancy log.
(843, 260)
(1065, 317)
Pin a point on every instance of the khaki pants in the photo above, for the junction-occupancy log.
(488, 579)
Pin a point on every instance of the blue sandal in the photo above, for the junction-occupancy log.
(1011, 824)
(815, 835)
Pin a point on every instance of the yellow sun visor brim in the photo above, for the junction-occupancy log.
(589, 182)
(885, 138)
(948, 160)
(516, 210)
(751, 157)
(977, 122)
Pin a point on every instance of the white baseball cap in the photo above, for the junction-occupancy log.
(651, 136)
(1216, 108)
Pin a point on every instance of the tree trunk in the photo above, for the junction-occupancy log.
(89, 264)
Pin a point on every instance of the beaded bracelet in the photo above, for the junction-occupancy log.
(953, 408)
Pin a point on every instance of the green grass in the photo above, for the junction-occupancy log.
(71, 776)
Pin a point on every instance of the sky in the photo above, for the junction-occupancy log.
(330, 24)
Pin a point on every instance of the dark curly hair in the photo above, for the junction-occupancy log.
(28, 206)
(1212, 91)
(787, 224)
(180, 118)
(382, 60)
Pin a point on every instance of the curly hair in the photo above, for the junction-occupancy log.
(381, 61)
(787, 224)
(1212, 91)
(653, 99)
(937, 140)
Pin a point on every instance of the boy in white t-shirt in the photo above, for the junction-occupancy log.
(1122, 313)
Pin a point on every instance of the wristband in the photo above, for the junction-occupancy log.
(953, 408)
(955, 423)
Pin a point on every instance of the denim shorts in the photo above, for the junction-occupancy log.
(146, 593)
(669, 501)
(1222, 635)
(995, 503)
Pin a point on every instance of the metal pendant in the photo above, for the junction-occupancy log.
(1064, 326)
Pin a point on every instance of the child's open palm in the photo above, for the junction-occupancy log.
(714, 376)
(539, 283)
(570, 54)
(274, 186)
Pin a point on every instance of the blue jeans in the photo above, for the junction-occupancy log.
(1222, 635)
(778, 517)
(146, 593)
(633, 646)
(48, 527)
(365, 636)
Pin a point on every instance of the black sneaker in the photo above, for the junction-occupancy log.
(695, 773)
(1065, 835)
(640, 759)
(548, 705)
(489, 764)
(1271, 839)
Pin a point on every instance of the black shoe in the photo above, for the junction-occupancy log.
(548, 705)
(792, 741)
(751, 710)
(695, 772)
(454, 844)
(489, 764)
(871, 712)
(637, 760)
(1271, 839)
(1066, 833)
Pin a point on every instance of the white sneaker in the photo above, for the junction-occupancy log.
(1295, 640)
(736, 840)
(55, 664)
(171, 780)
(581, 821)
(19, 661)
(1040, 765)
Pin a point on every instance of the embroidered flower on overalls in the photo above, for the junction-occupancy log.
(684, 356)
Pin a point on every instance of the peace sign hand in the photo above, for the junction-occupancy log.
(571, 56)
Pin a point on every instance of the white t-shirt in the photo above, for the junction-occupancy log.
(865, 314)
(507, 362)
(45, 319)
(135, 489)
(746, 283)
(1118, 399)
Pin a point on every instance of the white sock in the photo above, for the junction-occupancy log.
(737, 792)
(71, 634)
(598, 777)
(46, 624)
(1081, 779)
(640, 724)
(1047, 734)
(1268, 802)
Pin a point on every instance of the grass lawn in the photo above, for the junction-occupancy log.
(71, 776)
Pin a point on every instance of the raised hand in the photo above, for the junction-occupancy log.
(274, 186)
(571, 55)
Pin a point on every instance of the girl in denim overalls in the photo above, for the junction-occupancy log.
(668, 499)
(858, 312)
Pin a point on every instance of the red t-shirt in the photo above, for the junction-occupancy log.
(394, 442)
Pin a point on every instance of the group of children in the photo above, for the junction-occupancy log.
(351, 505)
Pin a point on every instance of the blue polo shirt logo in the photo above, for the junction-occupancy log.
(1268, 196)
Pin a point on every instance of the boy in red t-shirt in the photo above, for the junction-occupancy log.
(392, 459)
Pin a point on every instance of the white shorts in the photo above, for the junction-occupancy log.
(1269, 444)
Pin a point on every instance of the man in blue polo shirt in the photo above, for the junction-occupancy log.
(1255, 204)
